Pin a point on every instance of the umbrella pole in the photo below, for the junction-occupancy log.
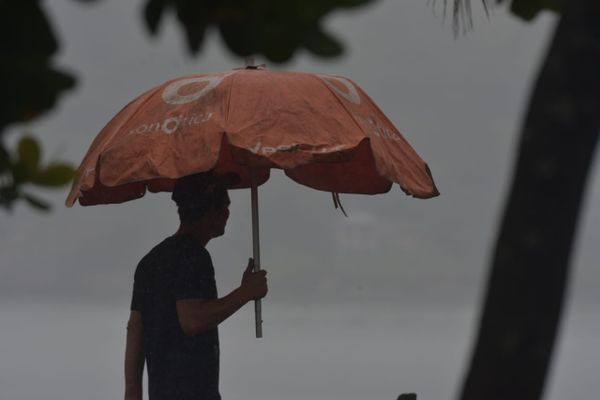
(256, 251)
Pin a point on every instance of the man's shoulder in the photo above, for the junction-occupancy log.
(175, 249)
(164, 247)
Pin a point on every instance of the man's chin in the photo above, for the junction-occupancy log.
(219, 233)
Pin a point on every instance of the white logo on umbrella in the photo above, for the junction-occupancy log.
(351, 95)
(171, 93)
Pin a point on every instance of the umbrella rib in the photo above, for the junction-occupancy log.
(411, 192)
(229, 99)
(100, 148)
(150, 94)
(342, 104)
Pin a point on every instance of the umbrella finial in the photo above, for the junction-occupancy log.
(251, 64)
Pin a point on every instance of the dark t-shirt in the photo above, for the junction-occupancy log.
(179, 367)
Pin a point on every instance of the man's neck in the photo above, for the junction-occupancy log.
(198, 232)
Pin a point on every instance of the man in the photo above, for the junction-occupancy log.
(175, 309)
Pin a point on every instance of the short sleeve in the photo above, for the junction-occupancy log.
(137, 301)
(139, 291)
(194, 275)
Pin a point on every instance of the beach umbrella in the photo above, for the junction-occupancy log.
(322, 130)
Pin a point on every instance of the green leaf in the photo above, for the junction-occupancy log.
(20, 173)
(352, 3)
(528, 9)
(36, 203)
(8, 194)
(322, 44)
(195, 36)
(55, 175)
(274, 29)
(152, 14)
(26, 62)
(4, 159)
(408, 396)
(29, 153)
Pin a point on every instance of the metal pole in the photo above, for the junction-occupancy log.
(256, 251)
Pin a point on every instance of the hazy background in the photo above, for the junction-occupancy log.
(366, 307)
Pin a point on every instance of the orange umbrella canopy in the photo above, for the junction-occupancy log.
(322, 130)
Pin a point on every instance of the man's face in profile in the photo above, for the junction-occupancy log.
(218, 216)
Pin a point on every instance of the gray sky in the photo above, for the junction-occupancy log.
(458, 101)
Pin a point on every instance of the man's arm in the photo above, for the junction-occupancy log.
(134, 357)
(199, 315)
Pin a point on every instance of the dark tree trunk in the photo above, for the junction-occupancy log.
(531, 260)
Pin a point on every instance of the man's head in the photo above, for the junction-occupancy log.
(202, 198)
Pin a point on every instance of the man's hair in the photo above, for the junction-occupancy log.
(197, 194)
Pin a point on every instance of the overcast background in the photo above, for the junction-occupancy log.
(383, 302)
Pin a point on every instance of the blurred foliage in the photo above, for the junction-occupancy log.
(525, 9)
(24, 167)
(529, 9)
(26, 69)
(407, 396)
(31, 86)
(274, 29)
